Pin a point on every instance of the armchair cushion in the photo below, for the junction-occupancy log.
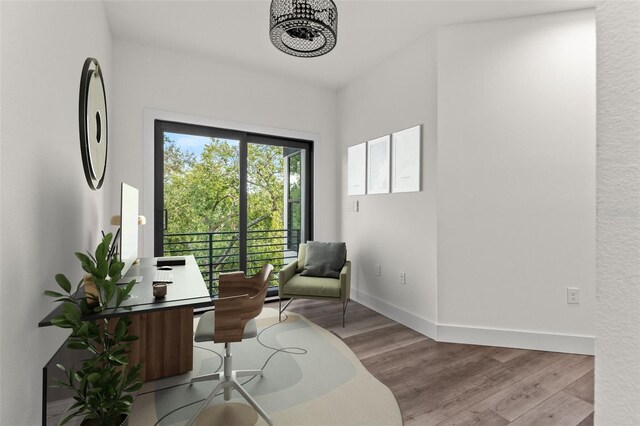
(324, 259)
(312, 286)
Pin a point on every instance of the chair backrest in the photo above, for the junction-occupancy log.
(302, 256)
(241, 299)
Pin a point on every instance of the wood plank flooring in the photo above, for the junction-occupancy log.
(454, 384)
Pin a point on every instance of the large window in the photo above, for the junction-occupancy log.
(234, 200)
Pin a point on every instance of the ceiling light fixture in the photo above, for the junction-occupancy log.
(304, 28)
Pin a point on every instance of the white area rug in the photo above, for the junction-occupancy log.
(310, 378)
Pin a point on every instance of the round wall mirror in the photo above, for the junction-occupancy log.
(94, 133)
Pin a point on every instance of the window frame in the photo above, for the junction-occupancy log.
(244, 138)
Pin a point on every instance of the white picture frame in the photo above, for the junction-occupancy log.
(405, 170)
(378, 165)
(357, 169)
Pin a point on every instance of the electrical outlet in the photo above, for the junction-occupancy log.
(573, 295)
(403, 278)
(378, 270)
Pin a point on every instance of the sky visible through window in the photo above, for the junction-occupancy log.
(193, 144)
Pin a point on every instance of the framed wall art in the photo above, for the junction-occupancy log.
(378, 157)
(405, 170)
(357, 170)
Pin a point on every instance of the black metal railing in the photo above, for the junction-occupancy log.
(217, 252)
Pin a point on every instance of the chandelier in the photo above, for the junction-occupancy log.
(304, 28)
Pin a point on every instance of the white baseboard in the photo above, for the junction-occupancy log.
(397, 314)
(584, 345)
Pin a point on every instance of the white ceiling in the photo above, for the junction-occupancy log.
(237, 32)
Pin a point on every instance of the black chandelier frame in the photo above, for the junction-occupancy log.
(304, 28)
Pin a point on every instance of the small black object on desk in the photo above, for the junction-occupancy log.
(170, 261)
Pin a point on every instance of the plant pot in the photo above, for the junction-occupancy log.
(90, 290)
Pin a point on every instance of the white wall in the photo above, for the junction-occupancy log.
(48, 210)
(397, 231)
(505, 220)
(516, 180)
(617, 372)
(1, 382)
(212, 93)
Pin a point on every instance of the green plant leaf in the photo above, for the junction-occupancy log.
(93, 328)
(61, 322)
(64, 385)
(118, 352)
(52, 293)
(84, 328)
(88, 264)
(84, 259)
(121, 329)
(71, 313)
(122, 360)
(63, 282)
(110, 289)
(67, 299)
(115, 268)
(77, 345)
(93, 377)
(92, 258)
(129, 287)
(69, 417)
(78, 401)
(134, 387)
(84, 305)
(107, 240)
(119, 297)
(103, 267)
(101, 250)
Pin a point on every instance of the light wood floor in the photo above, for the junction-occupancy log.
(454, 384)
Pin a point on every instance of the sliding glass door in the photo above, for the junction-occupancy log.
(232, 199)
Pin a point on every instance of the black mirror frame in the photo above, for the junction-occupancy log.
(91, 69)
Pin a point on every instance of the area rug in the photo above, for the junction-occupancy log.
(310, 378)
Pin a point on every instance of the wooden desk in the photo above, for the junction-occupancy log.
(164, 326)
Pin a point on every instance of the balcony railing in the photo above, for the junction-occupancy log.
(217, 252)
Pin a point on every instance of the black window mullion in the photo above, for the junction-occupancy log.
(158, 199)
(242, 242)
(308, 204)
(197, 130)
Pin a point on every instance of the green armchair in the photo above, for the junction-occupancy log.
(294, 284)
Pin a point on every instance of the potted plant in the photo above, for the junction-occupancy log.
(104, 383)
